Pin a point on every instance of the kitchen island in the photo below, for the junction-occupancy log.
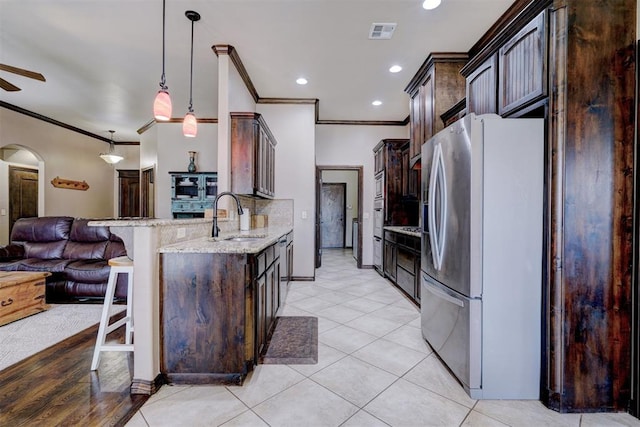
(144, 239)
(218, 303)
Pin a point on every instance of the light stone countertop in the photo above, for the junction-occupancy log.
(262, 238)
(400, 229)
(147, 222)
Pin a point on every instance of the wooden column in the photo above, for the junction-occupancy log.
(589, 265)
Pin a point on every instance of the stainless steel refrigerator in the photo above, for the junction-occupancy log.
(481, 278)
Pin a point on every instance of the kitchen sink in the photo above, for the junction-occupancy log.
(244, 239)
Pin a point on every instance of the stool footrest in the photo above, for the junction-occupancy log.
(117, 347)
(115, 325)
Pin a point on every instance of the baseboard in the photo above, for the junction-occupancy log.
(302, 279)
(147, 387)
(367, 266)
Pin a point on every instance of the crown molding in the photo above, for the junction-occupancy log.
(61, 124)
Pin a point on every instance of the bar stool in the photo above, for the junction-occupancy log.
(120, 265)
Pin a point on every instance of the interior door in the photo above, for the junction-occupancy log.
(147, 203)
(23, 194)
(129, 193)
(332, 211)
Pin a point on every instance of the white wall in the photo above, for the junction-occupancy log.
(172, 155)
(293, 127)
(240, 99)
(65, 154)
(349, 177)
(344, 145)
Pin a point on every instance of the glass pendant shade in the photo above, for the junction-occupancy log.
(430, 4)
(190, 125)
(162, 106)
(111, 158)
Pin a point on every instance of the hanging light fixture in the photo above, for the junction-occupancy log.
(430, 4)
(111, 157)
(162, 103)
(190, 124)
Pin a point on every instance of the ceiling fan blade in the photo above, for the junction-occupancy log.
(8, 86)
(22, 72)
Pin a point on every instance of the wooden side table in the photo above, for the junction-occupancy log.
(22, 293)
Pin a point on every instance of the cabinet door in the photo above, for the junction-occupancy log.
(417, 134)
(428, 111)
(522, 66)
(481, 88)
(390, 260)
(269, 301)
(261, 317)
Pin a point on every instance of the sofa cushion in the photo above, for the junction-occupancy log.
(115, 248)
(38, 264)
(41, 229)
(81, 250)
(11, 252)
(81, 232)
(44, 250)
(10, 265)
(88, 271)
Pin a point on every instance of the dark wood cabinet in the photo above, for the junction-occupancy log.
(436, 87)
(389, 259)
(481, 87)
(522, 66)
(216, 313)
(410, 176)
(252, 156)
(402, 262)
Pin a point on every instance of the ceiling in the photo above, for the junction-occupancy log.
(102, 59)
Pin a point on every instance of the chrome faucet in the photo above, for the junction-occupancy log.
(215, 229)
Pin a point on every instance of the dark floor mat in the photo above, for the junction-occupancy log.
(294, 342)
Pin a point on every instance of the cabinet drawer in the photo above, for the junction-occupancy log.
(406, 281)
(406, 259)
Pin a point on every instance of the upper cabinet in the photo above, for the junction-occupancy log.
(512, 77)
(436, 87)
(481, 88)
(522, 68)
(253, 150)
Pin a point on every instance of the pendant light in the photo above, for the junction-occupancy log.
(190, 124)
(162, 103)
(111, 157)
(430, 4)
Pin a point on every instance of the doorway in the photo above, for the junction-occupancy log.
(332, 215)
(147, 202)
(352, 176)
(128, 193)
(23, 194)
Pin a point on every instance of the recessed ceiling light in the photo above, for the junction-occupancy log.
(395, 69)
(302, 81)
(430, 4)
(376, 103)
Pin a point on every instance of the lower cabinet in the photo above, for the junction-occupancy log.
(216, 313)
(402, 262)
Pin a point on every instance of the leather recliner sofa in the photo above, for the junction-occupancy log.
(74, 253)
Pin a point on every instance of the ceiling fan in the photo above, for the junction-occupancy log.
(19, 71)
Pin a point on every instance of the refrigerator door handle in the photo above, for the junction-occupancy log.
(443, 295)
(431, 208)
(437, 200)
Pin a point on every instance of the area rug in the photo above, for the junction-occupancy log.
(26, 337)
(294, 341)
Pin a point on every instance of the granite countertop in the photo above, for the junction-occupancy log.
(259, 239)
(146, 222)
(401, 229)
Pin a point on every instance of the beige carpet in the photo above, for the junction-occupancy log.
(25, 337)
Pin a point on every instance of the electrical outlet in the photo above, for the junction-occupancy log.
(304, 214)
(181, 232)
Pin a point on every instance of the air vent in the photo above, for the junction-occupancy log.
(380, 31)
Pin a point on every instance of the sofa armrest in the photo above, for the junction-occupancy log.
(11, 252)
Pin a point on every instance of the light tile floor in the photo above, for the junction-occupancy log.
(374, 369)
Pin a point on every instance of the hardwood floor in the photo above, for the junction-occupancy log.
(57, 388)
